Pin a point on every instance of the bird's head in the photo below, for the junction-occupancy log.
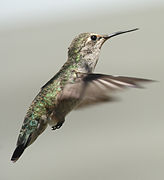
(86, 47)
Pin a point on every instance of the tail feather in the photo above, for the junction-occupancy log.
(21, 146)
(18, 152)
(27, 136)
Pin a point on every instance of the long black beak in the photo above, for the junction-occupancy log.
(118, 33)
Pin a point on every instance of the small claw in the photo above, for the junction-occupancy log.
(57, 126)
(53, 128)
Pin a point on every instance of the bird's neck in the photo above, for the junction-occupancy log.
(84, 63)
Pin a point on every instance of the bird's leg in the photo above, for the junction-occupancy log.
(58, 125)
(56, 121)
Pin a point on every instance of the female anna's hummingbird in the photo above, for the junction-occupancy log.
(74, 86)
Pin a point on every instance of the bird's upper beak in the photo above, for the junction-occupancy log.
(118, 33)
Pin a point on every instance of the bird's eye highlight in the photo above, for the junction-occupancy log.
(93, 37)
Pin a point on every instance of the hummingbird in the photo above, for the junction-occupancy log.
(74, 86)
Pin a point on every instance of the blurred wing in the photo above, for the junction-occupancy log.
(97, 88)
(73, 90)
(100, 88)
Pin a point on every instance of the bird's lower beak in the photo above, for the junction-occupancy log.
(118, 33)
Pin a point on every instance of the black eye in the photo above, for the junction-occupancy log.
(94, 37)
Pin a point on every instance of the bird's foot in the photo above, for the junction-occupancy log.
(58, 125)
(53, 128)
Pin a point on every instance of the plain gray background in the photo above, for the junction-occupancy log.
(117, 141)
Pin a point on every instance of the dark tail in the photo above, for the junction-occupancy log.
(21, 146)
(18, 152)
(27, 136)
